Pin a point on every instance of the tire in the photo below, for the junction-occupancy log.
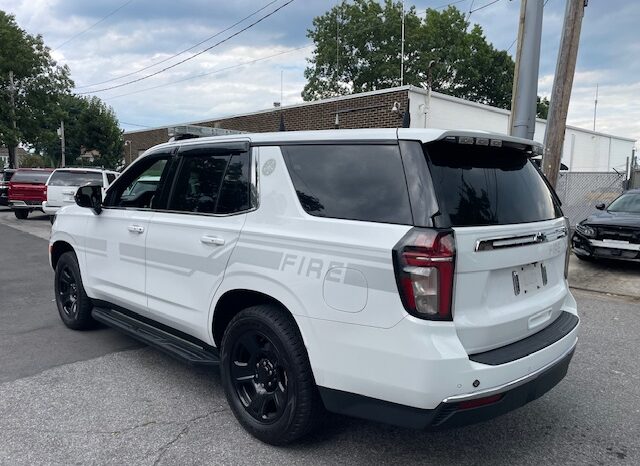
(21, 214)
(277, 380)
(52, 218)
(74, 306)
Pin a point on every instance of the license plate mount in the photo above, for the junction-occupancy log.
(529, 278)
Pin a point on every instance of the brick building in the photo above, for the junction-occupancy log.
(584, 150)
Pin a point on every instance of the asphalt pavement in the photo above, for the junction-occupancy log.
(98, 398)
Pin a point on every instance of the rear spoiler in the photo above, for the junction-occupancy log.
(531, 148)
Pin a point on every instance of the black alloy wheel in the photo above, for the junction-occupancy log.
(259, 376)
(74, 306)
(267, 377)
(68, 292)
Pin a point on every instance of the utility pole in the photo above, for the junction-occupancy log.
(402, 49)
(11, 148)
(522, 122)
(61, 134)
(561, 92)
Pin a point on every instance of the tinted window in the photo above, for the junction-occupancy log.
(74, 178)
(6, 176)
(355, 182)
(33, 177)
(487, 186)
(234, 194)
(110, 178)
(198, 184)
(138, 186)
(626, 203)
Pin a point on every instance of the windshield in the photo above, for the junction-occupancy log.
(629, 202)
(488, 186)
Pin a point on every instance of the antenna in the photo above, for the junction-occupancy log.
(595, 108)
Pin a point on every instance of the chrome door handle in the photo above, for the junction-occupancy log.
(216, 240)
(136, 229)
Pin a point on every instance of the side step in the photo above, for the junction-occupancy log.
(179, 348)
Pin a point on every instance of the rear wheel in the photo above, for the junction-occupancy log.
(74, 306)
(21, 214)
(267, 376)
(52, 218)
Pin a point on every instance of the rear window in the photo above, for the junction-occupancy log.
(353, 182)
(487, 186)
(6, 176)
(74, 178)
(32, 177)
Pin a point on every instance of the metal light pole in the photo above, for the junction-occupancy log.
(62, 143)
(525, 89)
(402, 49)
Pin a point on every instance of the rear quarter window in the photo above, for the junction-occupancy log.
(478, 186)
(352, 182)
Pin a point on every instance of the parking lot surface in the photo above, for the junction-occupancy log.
(99, 398)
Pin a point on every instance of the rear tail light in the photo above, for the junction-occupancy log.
(424, 266)
(479, 402)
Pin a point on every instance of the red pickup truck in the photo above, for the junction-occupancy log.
(27, 190)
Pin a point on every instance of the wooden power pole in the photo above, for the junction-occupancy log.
(11, 148)
(561, 92)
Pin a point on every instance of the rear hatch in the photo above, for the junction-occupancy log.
(29, 186)
(511, 242)
(63, 184)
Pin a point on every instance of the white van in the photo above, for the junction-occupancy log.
(64, 182)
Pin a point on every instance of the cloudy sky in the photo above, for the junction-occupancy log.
(132, 34)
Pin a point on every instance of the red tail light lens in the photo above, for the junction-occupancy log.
(424, 264)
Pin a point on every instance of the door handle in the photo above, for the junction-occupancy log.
(136, 229)
(215, 240)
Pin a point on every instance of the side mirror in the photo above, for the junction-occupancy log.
(600, 206)
(90, 196)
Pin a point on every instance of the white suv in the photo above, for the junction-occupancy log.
(415, 277)
(64, 182)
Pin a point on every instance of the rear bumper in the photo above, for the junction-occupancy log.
(454, 411)
(14, 204)
(49, 209)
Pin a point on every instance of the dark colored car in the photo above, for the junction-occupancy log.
(28, 190)
(613, 233)
(5, 177)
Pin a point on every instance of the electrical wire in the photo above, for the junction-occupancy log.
(516, 39)
(92, 26)
(134, 124)
(483, 6)
(220, 70)
(181, 52)
(192, 56)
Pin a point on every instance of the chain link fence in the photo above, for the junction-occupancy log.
(634, 181)
(581, 191)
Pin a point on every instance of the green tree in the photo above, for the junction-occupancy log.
(441, 48)
(38, 85)
(90, 125)
(542, 108)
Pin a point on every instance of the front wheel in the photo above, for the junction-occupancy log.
(74, 306)
(267, 377)
(21, 214)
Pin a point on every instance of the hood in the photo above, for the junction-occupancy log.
(623, 219)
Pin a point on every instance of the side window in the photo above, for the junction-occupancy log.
(352, 182)
(197, 187)
(138, 188)
(234, 194)
(110, 178)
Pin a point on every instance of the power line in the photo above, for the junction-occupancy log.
(231, 67)
(134, 124)
(92, 26)
(483, 6)
(181, 52)
(192, 56)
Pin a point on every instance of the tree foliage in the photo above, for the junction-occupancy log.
(39, 84)
(90, 125)
(368, 53)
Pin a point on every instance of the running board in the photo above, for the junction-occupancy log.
(179, 348)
